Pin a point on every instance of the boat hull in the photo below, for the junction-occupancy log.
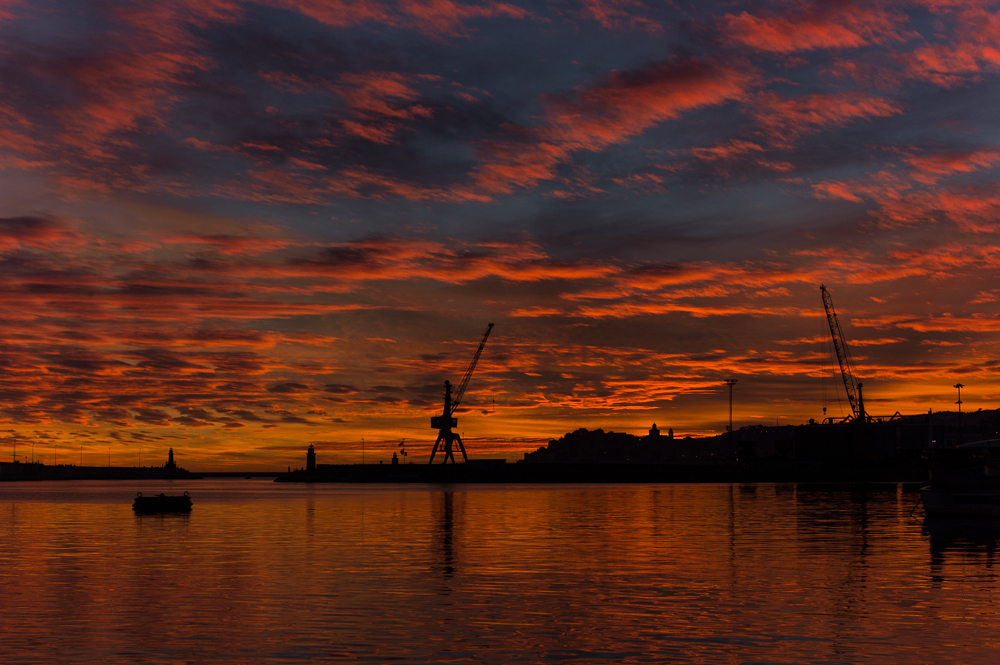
(966, 503)
(161, 503)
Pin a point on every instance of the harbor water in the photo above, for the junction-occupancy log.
(262, 572)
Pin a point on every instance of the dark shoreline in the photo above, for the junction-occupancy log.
(16, 471)
(603, 473)
(496, 471)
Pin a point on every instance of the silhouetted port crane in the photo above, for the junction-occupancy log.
(851, 383)
(444, 422)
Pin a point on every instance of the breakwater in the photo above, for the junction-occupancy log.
(492, 472)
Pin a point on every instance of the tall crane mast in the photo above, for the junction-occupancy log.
(851, 383)
(443, 423)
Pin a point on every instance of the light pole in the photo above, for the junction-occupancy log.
(362, 451)
(959, 402)
(730, 383)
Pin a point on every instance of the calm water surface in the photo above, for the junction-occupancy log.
(268, 573)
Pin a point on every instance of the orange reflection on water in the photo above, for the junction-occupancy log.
(266, 573)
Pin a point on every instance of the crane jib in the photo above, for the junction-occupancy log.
(851, 384)
(472, 367)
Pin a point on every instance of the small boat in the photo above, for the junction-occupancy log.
(972, 502)
(161, 503)
(964, 481)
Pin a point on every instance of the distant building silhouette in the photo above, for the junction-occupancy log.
(311, 459)
(595, 446)
(170, 460)
(600, 447)
(654, 432)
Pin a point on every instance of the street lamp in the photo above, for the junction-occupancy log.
(362, 451)
(959, 402)
(730, 383)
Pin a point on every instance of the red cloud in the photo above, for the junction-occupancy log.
(36, 232)
(619, 15)
(628, 103)
(815, 26)
(900, 201)
(6, 5)
(230, 244)
(377, 102)
(612, 111)
(969, 48)
(790, 117)
(727, 150)
(435, 18)
(129, 83)
(836, 190)
(117, 90)
(930, 167)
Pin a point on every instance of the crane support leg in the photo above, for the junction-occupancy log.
(437, 444)
(449, 449)
(446, 444)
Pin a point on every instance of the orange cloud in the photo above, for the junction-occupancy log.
(149, 353)
(944, 323)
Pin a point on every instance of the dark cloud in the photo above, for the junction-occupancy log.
(340, 389)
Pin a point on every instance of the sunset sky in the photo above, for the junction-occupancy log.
(238, 228)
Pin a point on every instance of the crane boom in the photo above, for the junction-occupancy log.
(468, 373)
(847, 369)
(443, 423)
